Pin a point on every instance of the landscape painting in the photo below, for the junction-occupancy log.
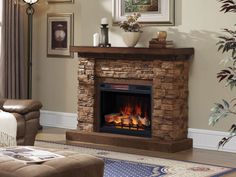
(159, 12)
(141, 5)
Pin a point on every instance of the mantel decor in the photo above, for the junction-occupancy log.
(132, 29)
(104, 41)
(159, 12)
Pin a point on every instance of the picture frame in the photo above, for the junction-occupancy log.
(60, 34)
(60, 1)
(157, 12)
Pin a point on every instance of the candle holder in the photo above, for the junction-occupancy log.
(104, 36)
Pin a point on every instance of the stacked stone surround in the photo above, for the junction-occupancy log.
(169, 91)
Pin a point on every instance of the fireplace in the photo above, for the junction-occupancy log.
(141, 92)
(124, 109)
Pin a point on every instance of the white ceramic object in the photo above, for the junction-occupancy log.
(96, 39)
(131, 38)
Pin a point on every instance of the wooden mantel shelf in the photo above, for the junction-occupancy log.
(133, 53)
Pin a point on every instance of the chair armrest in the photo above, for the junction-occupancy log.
(21, 106)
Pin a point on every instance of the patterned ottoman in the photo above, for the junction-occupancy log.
(73, 165)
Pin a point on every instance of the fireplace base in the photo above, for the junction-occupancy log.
(153, 144)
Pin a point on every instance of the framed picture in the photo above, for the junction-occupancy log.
(60, 35)
(159, 12)
(59, 1)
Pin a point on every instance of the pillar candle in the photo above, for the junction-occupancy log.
(95, 39)
(104, 21)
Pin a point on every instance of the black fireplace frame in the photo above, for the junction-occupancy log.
(122, 87)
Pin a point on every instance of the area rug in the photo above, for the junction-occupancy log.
(128, 165)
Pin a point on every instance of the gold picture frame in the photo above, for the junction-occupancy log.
(60, 1)
(158, 12)
(60, 32)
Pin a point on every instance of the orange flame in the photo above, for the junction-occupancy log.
(130, 115)
(127, 110)
(138, 110)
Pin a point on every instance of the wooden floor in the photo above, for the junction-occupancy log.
(192, 155)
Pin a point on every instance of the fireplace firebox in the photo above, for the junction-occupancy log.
(125, 109)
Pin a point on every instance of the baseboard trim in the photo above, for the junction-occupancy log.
(208, 139)
(58, 119)
(203, 139)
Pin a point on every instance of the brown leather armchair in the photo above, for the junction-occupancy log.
(27, 113)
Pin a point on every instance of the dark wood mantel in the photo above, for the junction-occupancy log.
(133, 53)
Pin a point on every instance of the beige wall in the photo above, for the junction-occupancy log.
(198, 23)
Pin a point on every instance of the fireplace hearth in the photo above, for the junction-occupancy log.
(133, 97)
(125, 109)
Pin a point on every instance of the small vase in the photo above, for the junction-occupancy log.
(131, 38)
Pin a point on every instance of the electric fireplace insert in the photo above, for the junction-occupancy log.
(125, 109)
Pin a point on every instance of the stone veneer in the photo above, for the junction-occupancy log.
(169, 91)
